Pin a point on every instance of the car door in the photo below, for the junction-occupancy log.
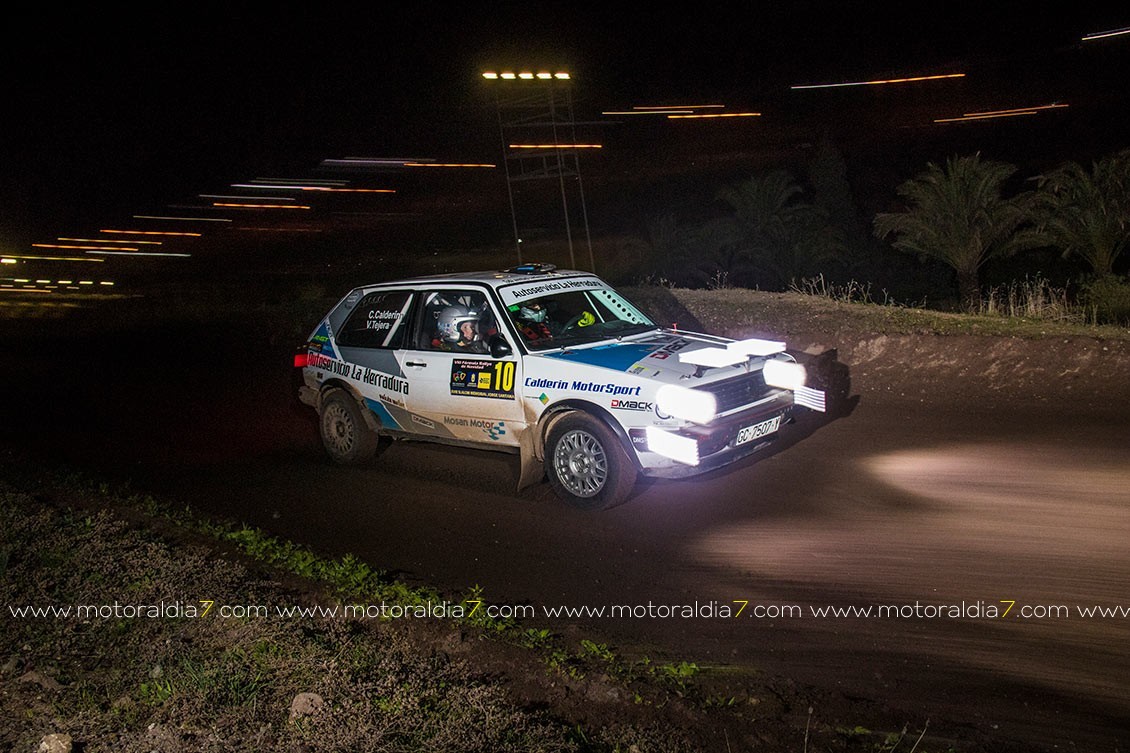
(456, 393)
(372, 331)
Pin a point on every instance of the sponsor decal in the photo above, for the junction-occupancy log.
(423, 421)
(359, 373)
(608, 388)
(493, 429)
(377, 379)
(552, 384)
(322, 338)
(391, 400)
(577, 385)
(630, 405)
(476, 378)
(544, 398)
(670, 349)
(319, 361)
(552, 286)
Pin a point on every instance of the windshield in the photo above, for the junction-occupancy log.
(573, 317)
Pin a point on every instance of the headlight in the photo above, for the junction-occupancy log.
(685, 403)
(682, 449)
(784, 374)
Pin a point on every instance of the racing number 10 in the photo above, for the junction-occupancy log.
(504, 376)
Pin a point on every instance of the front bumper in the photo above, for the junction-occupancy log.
(715, 444)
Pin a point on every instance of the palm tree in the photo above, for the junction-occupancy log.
(1086, 214)
(661, 247)
(958, 216)
(782, 235)
(719, 259)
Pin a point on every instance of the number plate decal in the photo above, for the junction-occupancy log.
(750, 433)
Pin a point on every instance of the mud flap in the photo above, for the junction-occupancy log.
(531, 471)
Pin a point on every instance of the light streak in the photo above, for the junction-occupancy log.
(663, 109)
(717, 115)
(244, 198)
(965, 118)
(397, 162)
(149, 232)
(1010, 113)
(555, 146)
(1106, 34)
(233, 205)
(881, 81)
(348, 190)
(298, 181)
(135, 252)
(47, 258)
(103, 240)
(374, 161)
(447, 164)
(675, 107)
(647, 112)
(64, 246)
(298, 187)
(526, 75)
(181, 219)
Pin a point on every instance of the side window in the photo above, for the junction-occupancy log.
(378, 321)
(427, 333)
(443, 311)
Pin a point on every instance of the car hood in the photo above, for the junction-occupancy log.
(656, 357)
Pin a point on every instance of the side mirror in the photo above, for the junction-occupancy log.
(499, 348)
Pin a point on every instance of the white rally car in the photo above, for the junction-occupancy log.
(554, 365)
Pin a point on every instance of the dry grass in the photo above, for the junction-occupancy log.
(127, 682)
(735, 311)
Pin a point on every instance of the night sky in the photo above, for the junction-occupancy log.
(108, 113)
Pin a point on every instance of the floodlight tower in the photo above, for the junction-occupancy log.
(539, 142)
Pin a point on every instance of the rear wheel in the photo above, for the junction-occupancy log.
(347, 437)
(586, 464)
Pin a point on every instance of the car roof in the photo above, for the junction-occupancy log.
(492, 278)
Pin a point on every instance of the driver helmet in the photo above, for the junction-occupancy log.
(532, 312)
(450, 319)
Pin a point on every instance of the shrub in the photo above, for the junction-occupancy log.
(1107, 299)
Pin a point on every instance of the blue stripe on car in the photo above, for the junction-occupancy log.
(383, 415)
(620, 357)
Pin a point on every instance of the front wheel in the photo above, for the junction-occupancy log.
(348, 439)
(586, 464)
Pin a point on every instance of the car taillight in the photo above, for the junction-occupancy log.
(301, 360)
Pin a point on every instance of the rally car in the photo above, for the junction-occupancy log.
(554, 365)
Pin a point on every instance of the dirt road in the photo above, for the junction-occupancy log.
(927, 556)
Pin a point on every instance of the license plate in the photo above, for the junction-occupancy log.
(750, 433)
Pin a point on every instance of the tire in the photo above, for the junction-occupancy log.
(586, 465)
(347, 437)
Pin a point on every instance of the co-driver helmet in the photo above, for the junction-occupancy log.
(450, 319)
(532, 312)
